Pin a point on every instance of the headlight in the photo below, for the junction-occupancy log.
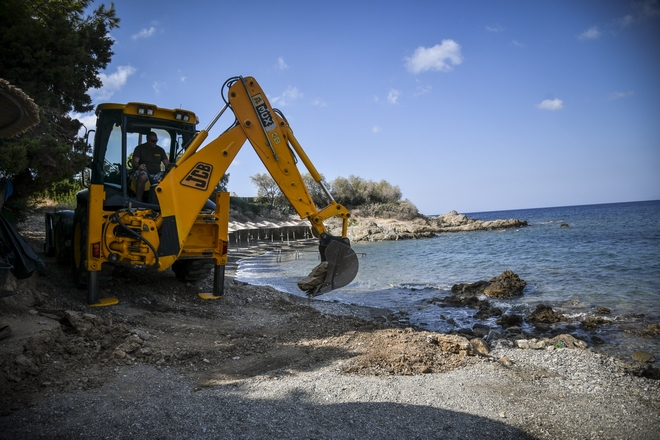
(185, 117)
(148, 111)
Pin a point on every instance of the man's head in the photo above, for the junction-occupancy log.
(152, 139)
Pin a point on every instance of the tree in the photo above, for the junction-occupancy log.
(267, 190)
(347, 191)
(53, 52)
(222, 185)
(356, 191)
(319, 197)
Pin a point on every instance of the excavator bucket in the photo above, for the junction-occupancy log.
(342, 267)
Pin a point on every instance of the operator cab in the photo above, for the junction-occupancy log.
(122, 127)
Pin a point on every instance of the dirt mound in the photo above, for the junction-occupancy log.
(406, 352)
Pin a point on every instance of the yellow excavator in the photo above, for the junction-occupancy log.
(178, 223)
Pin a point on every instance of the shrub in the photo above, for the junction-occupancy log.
(403, 210)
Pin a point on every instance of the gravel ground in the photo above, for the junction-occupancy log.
(570, 394)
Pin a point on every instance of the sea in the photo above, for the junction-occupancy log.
(608, 256)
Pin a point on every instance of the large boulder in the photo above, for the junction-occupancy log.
(506, 285)
(544, 315)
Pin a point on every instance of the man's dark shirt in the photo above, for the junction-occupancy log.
(151, 157)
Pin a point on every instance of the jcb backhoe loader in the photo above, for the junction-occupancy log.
(175, 224)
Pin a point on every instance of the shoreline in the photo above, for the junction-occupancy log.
(621, 330)
(376, 314)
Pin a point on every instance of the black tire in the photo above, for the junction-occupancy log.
(193, 270)
(55, 243)
(63, 253)
(48, 249)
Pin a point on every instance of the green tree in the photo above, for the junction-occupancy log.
(346, 191)
(222, 185)
(319, 197)
(355, 191)
(267, 190)
(53, 50)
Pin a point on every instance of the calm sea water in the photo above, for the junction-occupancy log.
(608, 257)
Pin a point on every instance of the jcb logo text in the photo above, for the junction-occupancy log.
(199, 176)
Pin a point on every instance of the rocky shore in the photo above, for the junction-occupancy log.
(373, 229)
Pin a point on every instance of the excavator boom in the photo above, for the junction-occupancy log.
(184, 190)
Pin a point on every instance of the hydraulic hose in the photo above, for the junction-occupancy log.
(115, 217)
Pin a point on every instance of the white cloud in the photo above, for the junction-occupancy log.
(648, 8)
(422, 89)
(517, 43)
(590, 34)
(619, 95)
(438, 57)
(496, 28)
(111, 83)
(551, 104)
(88, 120)
(376, 129)
(393, 96)
(144, 33)
(287, 97)
(319, 103)
(281, 64)
(157, 87)
(627, 20)
(643, 10)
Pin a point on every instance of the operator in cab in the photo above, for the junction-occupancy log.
(146, 162)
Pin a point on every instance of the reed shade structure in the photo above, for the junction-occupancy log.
(17, 110)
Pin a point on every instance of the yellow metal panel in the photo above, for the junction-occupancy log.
(179, 198)
(131, 108)
(95, 224)
(222, 214)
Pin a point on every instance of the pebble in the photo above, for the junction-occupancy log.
(642, 356)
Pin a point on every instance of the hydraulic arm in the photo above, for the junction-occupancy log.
(184, 190)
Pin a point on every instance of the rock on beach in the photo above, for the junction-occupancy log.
(506, 285)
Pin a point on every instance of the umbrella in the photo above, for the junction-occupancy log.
(17, 110)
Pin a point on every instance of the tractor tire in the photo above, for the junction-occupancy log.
(193, 270)
(63, 253)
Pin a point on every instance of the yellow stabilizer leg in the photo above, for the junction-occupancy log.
(93, 292)
(208, 296)
(105, 302)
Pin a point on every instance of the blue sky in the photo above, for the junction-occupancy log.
(465, 105)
